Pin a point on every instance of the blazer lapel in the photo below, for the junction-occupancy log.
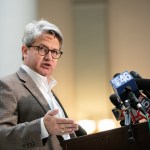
(31, 86)
(72, 135)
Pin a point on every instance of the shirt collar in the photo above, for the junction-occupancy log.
(39, 79)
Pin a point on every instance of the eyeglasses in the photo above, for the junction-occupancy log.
(43, 51)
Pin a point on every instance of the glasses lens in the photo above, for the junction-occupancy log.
(43, 51)
(55, 54)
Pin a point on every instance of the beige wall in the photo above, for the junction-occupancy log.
(129, 36)
(91, 67)
(127, 48)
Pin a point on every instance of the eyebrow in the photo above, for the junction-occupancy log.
(48, 48)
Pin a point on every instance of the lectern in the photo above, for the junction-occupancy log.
(115, 139)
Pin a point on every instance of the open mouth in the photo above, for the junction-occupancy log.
(46, 65)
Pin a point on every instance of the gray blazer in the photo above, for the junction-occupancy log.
(21, 107)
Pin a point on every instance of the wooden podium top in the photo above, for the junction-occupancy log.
(115, 139)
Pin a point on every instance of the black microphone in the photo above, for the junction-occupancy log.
(133, 99)
(115, 75)
(143, 84)
(120, 111)
(137, 76)
(116, 101)
(119, 107)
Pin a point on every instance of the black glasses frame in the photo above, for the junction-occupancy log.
(45, 51)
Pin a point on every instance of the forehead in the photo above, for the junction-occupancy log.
(47, 37)
(48, 40)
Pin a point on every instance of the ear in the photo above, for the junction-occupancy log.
(24, 51)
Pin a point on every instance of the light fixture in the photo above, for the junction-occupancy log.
(88, 125)
(105, 124)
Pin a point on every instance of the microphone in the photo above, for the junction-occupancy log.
(120, 110)
(124, 83)
(116, 101)
(128, 122)
(137, 76)
(126, 88)
(136, 102)
(145, 102)
(119, 107)
(115, 75)
(127, 113)
(143, 84)
(144, 99)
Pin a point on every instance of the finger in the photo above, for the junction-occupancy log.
(67, 130)
(74, 125)
(67, 126)
(64, 121)
(53, 112)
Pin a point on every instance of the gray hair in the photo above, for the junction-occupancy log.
(37, 28)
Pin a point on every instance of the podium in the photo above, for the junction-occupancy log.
(115, 139)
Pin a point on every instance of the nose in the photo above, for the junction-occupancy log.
(48, 56)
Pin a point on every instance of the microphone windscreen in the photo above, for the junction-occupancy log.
(143, 84)
(135, 74)
(115, 100)
(116, 75)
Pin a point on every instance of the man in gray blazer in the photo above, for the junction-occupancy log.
(31, 116)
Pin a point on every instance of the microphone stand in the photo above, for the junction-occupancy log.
(128, 122)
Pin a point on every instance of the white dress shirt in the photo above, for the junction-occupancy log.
(46, 89)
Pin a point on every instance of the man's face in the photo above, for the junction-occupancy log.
(44, 65)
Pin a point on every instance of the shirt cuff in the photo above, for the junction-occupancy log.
(44, 133)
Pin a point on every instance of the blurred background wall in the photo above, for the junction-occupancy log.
(101, 38)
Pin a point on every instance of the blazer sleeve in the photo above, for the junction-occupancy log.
(13, 135)
(81, 132)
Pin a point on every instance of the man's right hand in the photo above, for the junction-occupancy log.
(58, 126)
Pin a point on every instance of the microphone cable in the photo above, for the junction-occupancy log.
(148, 120)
